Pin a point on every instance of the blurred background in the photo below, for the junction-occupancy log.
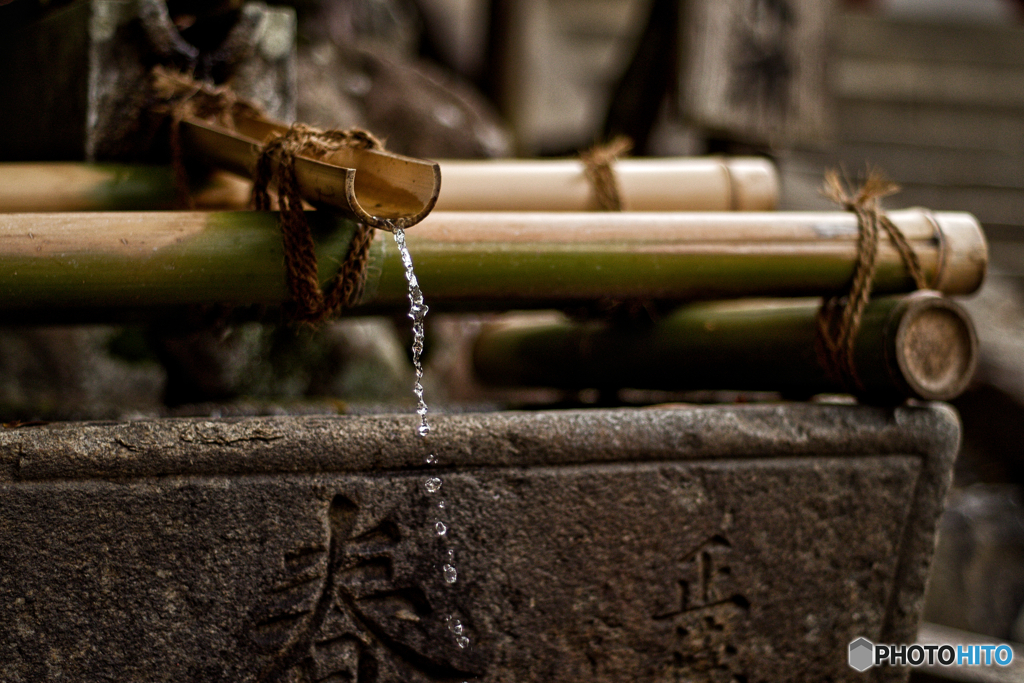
(930, 91)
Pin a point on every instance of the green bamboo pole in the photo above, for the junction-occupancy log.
(72, 186)
(919, 346)
(80, 264)
(494, 260)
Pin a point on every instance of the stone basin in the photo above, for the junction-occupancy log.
(723, 543)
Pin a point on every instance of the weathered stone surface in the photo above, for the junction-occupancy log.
(721, 544)
(79, 74)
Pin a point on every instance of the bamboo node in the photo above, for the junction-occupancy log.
(839, 318)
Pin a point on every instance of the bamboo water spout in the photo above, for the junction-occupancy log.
(917, 346)
(84, 265)
(374, 187)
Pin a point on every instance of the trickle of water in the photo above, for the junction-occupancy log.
(455, 626)
(417, 311)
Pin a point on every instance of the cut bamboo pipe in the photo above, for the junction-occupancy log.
(374, 187)
(674, 184)
(918, 346)
(82, 262)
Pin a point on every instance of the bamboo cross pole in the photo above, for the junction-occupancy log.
(78, 265)
(917, 346)
(683, 184)
(667, 184)
(76, 186)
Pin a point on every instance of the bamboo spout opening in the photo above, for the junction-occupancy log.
(390, 186)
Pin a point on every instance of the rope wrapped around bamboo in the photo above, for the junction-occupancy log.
(179, 96)
(310, 303)
(597, 167)
(839, 318)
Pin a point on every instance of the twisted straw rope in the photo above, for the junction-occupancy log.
(179, 97)
(839, 318)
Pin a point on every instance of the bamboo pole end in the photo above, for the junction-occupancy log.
(964, 253)
(936, 347)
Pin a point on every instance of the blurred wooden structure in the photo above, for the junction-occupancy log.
(749, 70)
(940, 107)
(756, 70)
(560, 59)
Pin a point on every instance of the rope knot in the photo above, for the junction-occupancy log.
(310, 303)
(839, 318)
(179, 96)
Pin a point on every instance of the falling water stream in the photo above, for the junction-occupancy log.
(418, 311)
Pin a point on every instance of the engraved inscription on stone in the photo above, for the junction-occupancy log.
(704, 608)
(338, 614)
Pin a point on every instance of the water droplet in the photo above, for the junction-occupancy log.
(433, 485)
(430, 459)
(440, 505)
(450, 573)
(455, 626)
(451, 554)
(423, 429)
(440, 528)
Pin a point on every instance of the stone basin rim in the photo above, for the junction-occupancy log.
(387, 443)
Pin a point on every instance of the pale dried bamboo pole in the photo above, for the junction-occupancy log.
(664, 184)
(685, 184)
(75, 186)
